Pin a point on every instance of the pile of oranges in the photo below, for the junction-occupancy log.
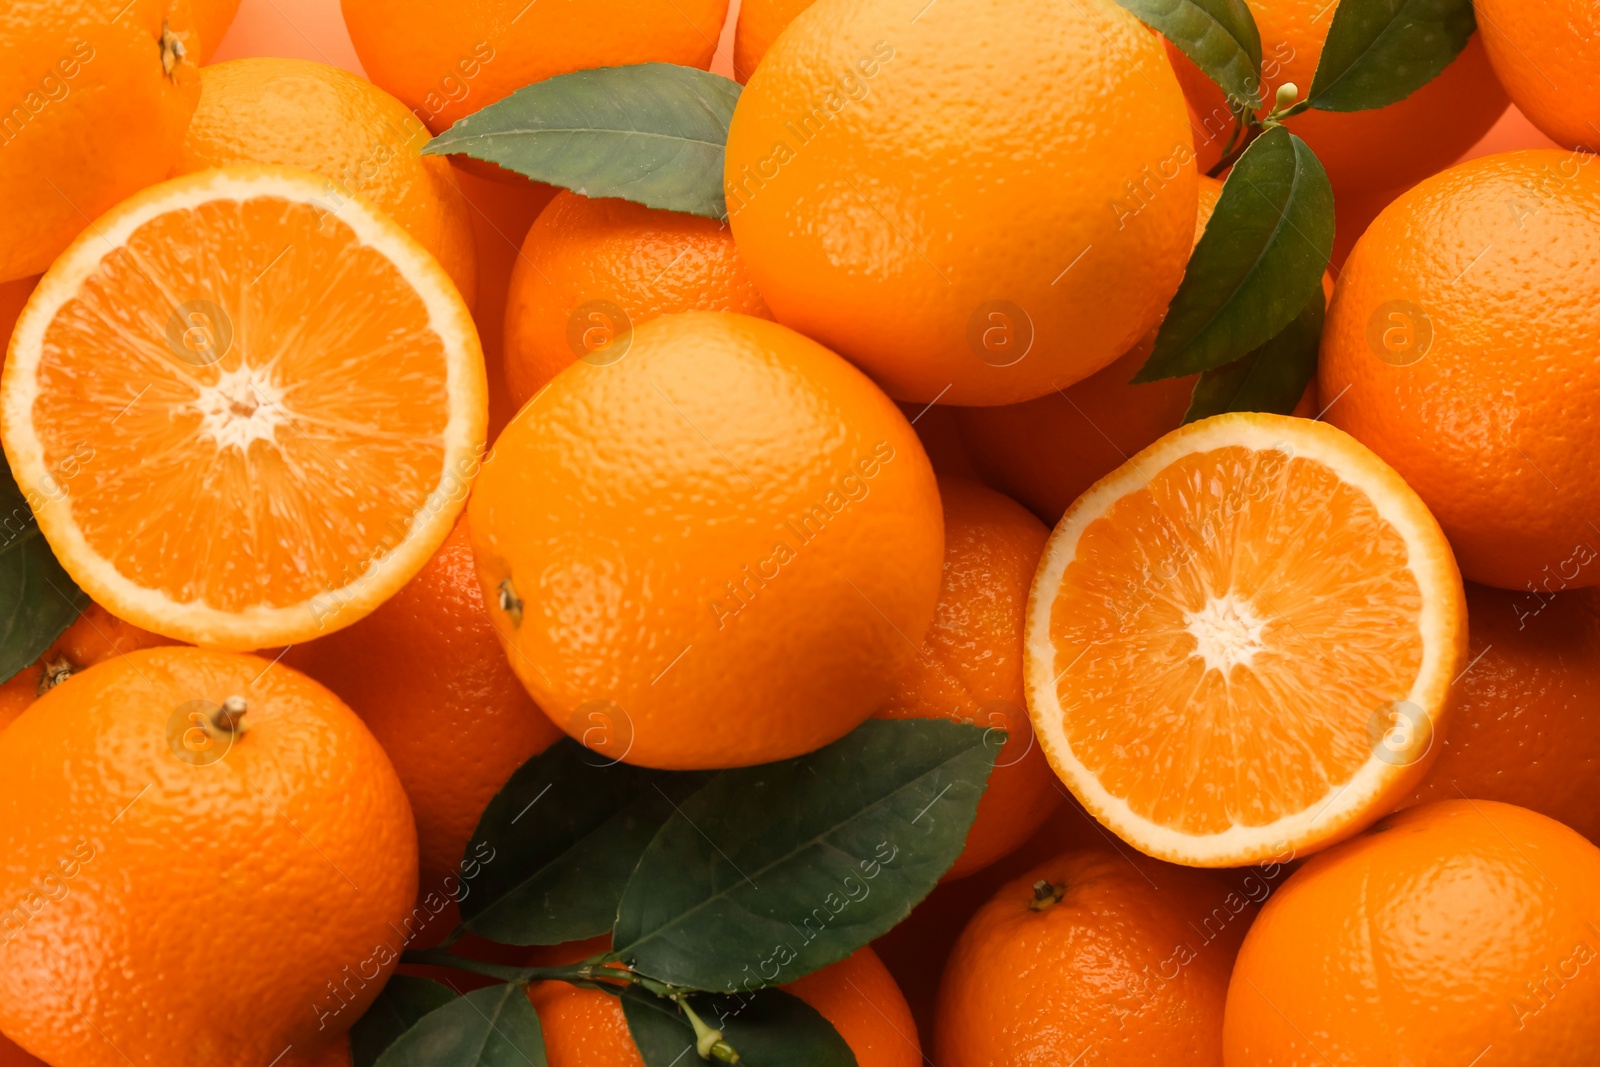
(349, 475)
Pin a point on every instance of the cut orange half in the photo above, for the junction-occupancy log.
(1241, 643)
(244, 408)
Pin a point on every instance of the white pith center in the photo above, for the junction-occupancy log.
(1227, 632)
(242, 406)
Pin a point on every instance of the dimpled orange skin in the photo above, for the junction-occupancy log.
(730, 535)
(1526, 724)
(760, 22)
(1443, 931)
(296, 113)
(428, 676)
(104, 118)
(1545, 53)
(1495, 425)
(1046, 452)
(446, 65)
(1383, 148)
(640, 260)
(970, 669)
(914, 193)
(1120, 965)
(256, 879)
(857, 995)
(95, 636)
(915, 951)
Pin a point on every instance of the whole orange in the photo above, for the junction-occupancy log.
(1545, 53)
(165, 778)
(760, 22)
(591, 270)
(915, 951)
(1450, 932)
(98, 93)
(94, 637)
(1526, 724)
(1045, 452)
(1460, 348)
(296, 113)
(428, 677)
(1090, 951)
(970, 666)
(972, 214)
(720, 550)
(857, 995)
(446, 64)
(1383, 148)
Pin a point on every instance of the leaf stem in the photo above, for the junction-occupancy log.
(1284, 108)
(1229, 158)
(1278, 118)
(1241, 119)
(590, 972)
(707, 1041)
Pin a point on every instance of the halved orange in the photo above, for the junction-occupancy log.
(245, 409)
(1241, 643)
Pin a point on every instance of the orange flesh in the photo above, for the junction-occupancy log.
(1313, 616)
(284, 468)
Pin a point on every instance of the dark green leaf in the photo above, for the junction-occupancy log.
(767, 1029)
(1381, 51)
(1259, 261)
(37, 599)
(556, 845)
(1219, 36)
(772, 872)
(1272, 378)
(493, 1027)
(653, 133)
(403, 1002)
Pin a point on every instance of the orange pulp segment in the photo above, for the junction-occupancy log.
(245, 411)
(1240, 644)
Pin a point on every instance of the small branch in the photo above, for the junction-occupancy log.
(1231, 157)
(1240, 120)
(1278, 118)
(590, 973)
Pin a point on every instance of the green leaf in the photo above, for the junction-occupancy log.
(1381, 51)
(403, 1002)
(556, 845)
(772, 872)
(653, 133)
(767, 1029)
(1272, 378)
(1219, 36)
(493, 1027)
(37, 599)
(1259, 261)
